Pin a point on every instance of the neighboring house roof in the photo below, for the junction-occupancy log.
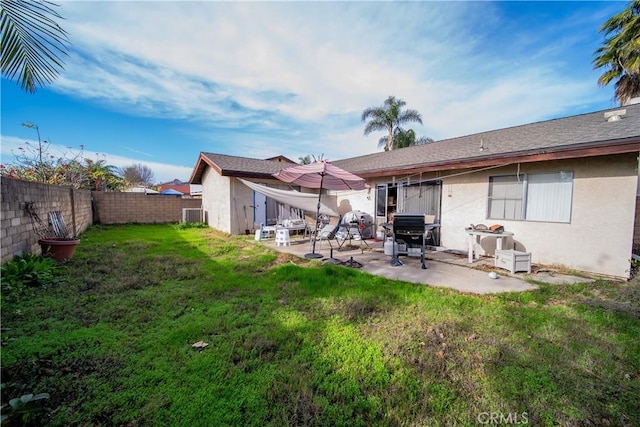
(227, 165)
(570, 137)
(182, 187)
(173, 182)
(281, 158)
(140, 190)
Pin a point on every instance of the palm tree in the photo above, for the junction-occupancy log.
(100, 176)
(32, 42)
(389, 117)
(305, 160)
(620, 53)
(407, 138)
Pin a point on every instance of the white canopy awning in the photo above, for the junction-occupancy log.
(296, 199)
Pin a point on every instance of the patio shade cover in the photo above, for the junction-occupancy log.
(321, 175)
(305, 201)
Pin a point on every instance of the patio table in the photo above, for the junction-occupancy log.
(476, 235)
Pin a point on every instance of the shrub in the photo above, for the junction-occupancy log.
(25, 272)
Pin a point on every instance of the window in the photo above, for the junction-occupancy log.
(531, 197)
(381, 200)
(505, 197)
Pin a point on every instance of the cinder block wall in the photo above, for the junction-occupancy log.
(18, 229)
(80, 209)
(128, 208)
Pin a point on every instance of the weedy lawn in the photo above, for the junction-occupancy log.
(293, 342)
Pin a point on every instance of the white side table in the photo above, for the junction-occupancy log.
(476, 235)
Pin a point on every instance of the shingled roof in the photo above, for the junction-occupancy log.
(245, 167)
(578, 136)
(583, 135)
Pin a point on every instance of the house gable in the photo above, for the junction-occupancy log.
(243, 167)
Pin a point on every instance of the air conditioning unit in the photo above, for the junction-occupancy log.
(192, 215)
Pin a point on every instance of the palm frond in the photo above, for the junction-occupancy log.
(619, 54)
(389, 118)
(32, 43)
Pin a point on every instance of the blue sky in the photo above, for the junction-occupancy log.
(158, 82)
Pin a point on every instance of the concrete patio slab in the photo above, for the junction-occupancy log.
(557, 279)
(444, 269)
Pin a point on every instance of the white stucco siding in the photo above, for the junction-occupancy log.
(363, 200)
(242, 210)
(597, 239)
(216, 196)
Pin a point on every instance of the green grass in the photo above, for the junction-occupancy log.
(293, 342)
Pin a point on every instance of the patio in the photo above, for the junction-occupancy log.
(444, 268)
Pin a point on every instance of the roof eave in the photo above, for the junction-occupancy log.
(246, 174)
(198, 170)
(622, 146)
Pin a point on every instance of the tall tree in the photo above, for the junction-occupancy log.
(407, 138)
(305, 160)
(311, 158)
(620, 53)
(388, 118)
(32, 42)
(137, 174)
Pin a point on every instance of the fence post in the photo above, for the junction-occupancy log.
(73, 211)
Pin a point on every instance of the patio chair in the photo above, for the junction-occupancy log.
(328, 233)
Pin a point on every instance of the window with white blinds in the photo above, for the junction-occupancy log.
(531, 197)
(506, 194)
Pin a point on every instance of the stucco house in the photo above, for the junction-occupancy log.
(231, 206)
(567, 188)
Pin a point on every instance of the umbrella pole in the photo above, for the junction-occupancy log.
(313, 253)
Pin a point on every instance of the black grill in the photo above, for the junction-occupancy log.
(409, 223)
(411, 229)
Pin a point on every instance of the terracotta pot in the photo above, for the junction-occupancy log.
(58, 249)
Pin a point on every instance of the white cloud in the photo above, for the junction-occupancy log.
(298, 68)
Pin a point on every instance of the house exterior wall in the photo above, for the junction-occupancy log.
(363, 200)
(599, 237)
(228, 203)
(241, 208)
(216, 197)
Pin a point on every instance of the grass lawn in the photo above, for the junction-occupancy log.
(293, 342)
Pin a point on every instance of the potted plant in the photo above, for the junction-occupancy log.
(56, 241)
(61, 244)
(59, 248)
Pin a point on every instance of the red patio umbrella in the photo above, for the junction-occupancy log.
(321, 174)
